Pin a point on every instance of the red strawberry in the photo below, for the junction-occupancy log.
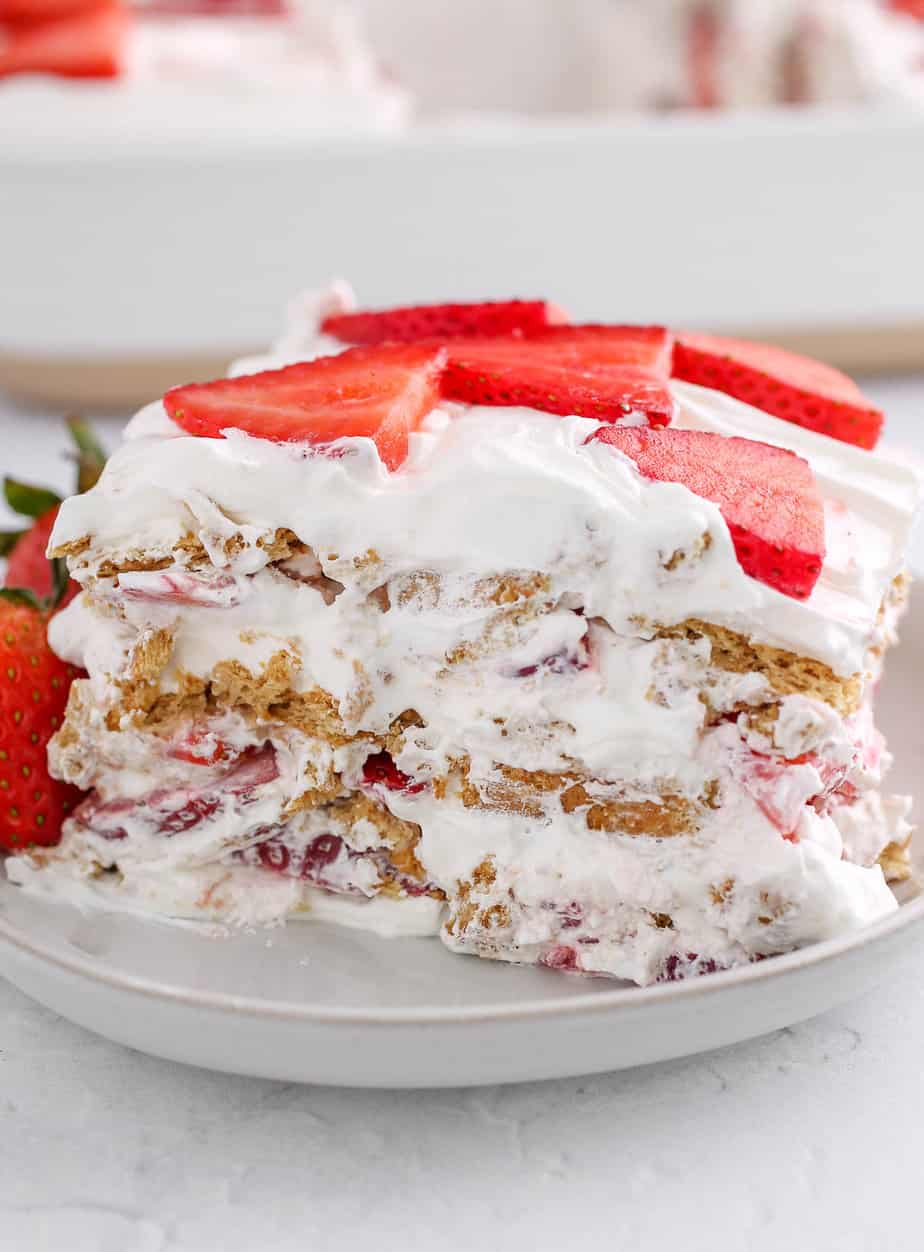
(767, 495)
(38, 10)
(383, 393)
(792, 387)
(173, 810)
(219, 8)
(380, 768)
(443, 321)
(200, 746)
(913, 8)
(78, 45)
(704, 34)
(27, 567)
(584, 373)
(589, 345)
(34, 686)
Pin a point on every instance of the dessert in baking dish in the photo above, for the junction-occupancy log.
(746, 54)
(559, 640)
(191, 55)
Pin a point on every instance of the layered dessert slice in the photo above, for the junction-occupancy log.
(559, 640)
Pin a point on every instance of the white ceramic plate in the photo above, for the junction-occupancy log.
(317, 1003)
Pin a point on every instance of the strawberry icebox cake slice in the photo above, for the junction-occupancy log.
(557, 640)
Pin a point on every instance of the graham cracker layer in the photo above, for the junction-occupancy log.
(786, 672)
(603, 806)
(188, 551)
(425, 590)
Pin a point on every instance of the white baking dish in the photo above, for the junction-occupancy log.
(127, 262)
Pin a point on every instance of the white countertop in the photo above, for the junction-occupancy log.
(808, 1140)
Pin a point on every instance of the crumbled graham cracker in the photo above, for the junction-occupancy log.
(369, 559)
(468, 910)
(282, 544)
(510, 588)
(895, 860)
(151, 654)
(361, 695)
(420, 590)
(484, 874)
(400, 837)
(73, 547)
(721, 892)
(681, 556)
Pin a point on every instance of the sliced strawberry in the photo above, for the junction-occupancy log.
(79, 45)
(201, 746)
(380, 768)
(703, 37)
(217, 8)
(791, 387)
(443, 321)
(383, 393)
(913, 8)
(767, 495)
(589, 345)
(568, 374)
(209, 590)
(173, 810)
(38, 10)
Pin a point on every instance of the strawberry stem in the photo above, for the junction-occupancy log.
(28, 500)
(9, 540)
(90, 455)
(60, 579)
(20, 595)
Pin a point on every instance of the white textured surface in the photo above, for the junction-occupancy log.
(808, 1139)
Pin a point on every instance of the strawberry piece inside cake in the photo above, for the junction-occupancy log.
(407, 631)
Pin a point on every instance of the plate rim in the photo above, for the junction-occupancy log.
(627, 998)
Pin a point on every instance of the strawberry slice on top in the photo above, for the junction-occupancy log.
(383, 393)
(443, 321)
(641, 347)
(794, 388)
(611, 373)
(767, 496)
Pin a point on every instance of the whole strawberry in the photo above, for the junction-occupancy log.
(34, 686)
(27, 565)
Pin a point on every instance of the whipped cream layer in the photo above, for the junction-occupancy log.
(489, 489)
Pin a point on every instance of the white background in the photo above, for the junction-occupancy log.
(809, 1140)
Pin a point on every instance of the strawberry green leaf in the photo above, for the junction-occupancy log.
(60, 580)
(90, 455)
(19, 595)
(9, 540)
(28, 500)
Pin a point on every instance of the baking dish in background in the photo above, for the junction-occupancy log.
(133, 257)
